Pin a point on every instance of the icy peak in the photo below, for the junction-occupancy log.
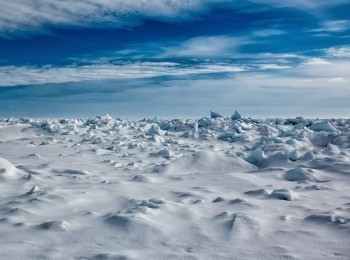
(215, 115)
(236, 116)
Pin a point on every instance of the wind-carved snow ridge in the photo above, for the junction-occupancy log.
(214, 187)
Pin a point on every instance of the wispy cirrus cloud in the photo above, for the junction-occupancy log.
(24, 75)
(310, 90)
(334, 26)
(312, 67)
(21, 17)
(195, 56)
(307, 5)
(26, 17)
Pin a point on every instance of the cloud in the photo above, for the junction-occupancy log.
(306, 5)
(316, 61)
(338, 52)
(22, 17)
(206, 47)
(25, 17)
(273, 67)
(335, 26)
(325, 69)
(310, 91)
(197, 56)
(268, 32)
(24, 75)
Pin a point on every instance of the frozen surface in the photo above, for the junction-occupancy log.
(212, 188)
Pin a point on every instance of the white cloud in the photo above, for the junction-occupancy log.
(23, 75)
(334, 69)
(268, 32)
(316, 61)
(311, 69)
(338, 52)
(206, 47)
(316, 89)
(29, 16)
(273, 67)
(306, 5)
(280, 58)
(33, 16)
(333, 26)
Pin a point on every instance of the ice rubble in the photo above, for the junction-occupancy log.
(324, 126)
(279, 139)
(233, 182)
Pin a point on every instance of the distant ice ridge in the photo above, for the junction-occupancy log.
(279, 139)
(230, 129)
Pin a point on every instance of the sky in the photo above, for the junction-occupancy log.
(174, 58)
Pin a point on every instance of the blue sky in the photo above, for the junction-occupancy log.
(174, 58)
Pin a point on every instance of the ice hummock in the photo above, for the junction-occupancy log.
(236, 116)
(215, 115)
(324, 126)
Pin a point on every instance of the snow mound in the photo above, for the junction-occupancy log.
(243, 226)
(75, 172)
(238, 201)
(8, 170)
(331, 149)
(326, 218)
(54, 225)
(165, 153)
(258, 192)
(118, 221)
(208, 162)
(140, 178)
(299, 174)
(283, 194)
(9, 211)
(35, 190)
(218, 199)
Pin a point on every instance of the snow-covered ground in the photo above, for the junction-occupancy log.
(213, 188)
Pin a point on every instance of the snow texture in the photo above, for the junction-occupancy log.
(210, 188)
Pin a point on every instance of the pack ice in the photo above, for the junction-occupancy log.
(210, 188)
